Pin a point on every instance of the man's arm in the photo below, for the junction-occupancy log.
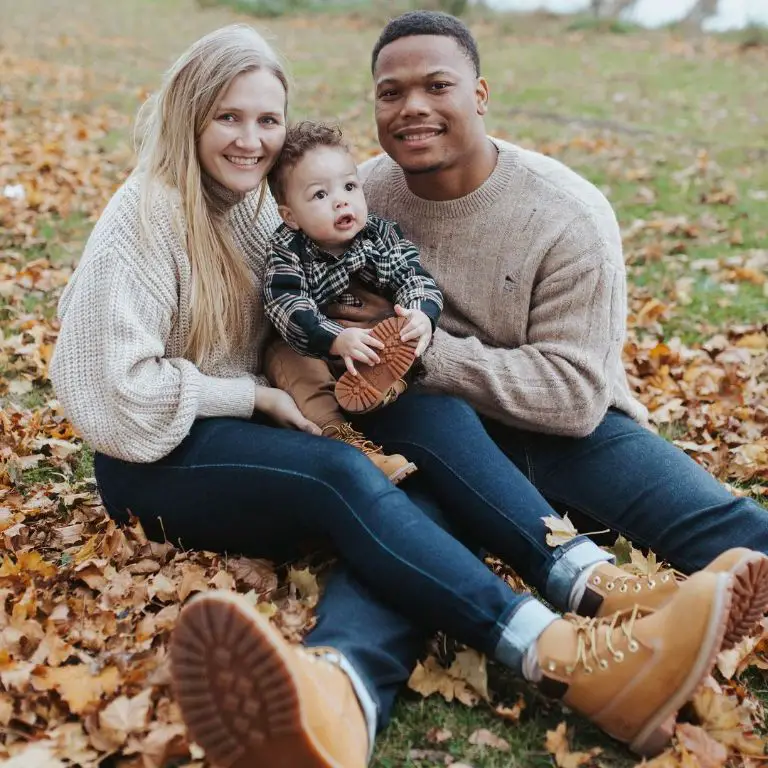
(560, 381)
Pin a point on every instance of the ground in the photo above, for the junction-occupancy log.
(673, 129)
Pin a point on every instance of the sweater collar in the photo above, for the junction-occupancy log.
(221, 198)
(476, 201)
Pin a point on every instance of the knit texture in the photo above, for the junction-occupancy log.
(118, 367)
(532, 273)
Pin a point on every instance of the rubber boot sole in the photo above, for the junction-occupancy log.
(400, 474)
(366, 391)
(750, 597)
(238, 694)
(658, 731)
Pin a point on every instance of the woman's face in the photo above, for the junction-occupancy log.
(241, 143)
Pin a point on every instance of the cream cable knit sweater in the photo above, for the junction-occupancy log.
(531, 268)
(118, 368)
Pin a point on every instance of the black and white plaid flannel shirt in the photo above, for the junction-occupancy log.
(302, 280)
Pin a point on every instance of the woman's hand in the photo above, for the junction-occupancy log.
(419, 326)
(356, 344)
(280, 406)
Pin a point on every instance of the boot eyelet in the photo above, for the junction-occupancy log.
(603, 664)
(638, 587)
(568, 670)
(609, 586)
(618, 656)
(633, 646)
(551, 666)
(623, 588)
(589, 670)
(651, 584)
(596, 580)
(665, 578)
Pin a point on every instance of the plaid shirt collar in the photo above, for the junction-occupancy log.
(308, 250)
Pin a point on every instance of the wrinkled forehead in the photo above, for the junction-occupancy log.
(419, 57)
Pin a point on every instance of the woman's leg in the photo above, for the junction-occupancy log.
(244, 486)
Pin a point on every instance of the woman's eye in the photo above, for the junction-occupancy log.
(227, 118)
(269, 120)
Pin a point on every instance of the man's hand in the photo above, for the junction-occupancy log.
(282, 408)
(356, 344)
(419, 326)
(375, 309)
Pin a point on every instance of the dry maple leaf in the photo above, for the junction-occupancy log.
(438, 735)
(708, 752)
(306, 585)
(124, 716)
(561, 530)
(76, 685)
(557, 745)
(512, 714)
(431, 677)
(485, 738)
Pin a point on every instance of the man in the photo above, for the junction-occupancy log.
(528, 255)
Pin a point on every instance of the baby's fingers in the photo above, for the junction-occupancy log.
(349, 363)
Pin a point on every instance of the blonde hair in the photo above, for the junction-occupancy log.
(169, 126)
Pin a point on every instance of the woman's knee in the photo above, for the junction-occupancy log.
(349, 471)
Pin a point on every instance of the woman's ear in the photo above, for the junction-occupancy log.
(287, 216)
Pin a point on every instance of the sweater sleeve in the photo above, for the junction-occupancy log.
(111, 375)
(558, 382)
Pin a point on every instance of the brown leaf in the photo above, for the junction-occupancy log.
(484, 738)
(709, 753)
(511, 713)
(438, 735)
(124, 715)
(557, 745)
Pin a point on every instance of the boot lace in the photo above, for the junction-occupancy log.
(348, 434)
(625, 579)
(588, 638)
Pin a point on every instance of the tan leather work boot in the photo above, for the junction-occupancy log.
(630, 673)
(368, 390)
(393, 465)
(610, 589)
(250, 699)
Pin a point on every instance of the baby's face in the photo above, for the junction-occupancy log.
(324, 198)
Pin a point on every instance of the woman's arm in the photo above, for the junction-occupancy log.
(110, 371)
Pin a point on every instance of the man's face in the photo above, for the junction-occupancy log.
(429, 104)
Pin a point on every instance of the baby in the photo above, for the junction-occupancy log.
(328, 239)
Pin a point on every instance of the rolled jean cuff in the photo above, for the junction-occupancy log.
(364, 698)
(522, 629)
(570, 560)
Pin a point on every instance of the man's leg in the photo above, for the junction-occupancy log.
(636, 483)
(380, 643)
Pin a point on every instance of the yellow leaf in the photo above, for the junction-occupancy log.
(126, 715)
(76, 686)
(561, 530)
(708, 752)
(557, 745)
(305, 583)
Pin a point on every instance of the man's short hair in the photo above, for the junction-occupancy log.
(300, 138)
(428, 23)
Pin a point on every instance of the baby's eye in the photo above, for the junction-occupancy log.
(319, 195)
(350, 185)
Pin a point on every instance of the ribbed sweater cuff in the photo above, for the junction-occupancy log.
(233, 397)
(443, 362)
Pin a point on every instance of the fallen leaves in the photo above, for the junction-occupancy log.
(558, 746)
(466, 679)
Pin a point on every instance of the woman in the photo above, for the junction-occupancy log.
(158, 365)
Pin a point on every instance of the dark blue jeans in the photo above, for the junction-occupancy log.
(248, 487)
(634, 482)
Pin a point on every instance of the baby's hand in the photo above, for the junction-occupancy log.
(356, 344)
(419, 326)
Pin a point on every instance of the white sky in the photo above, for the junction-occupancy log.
(732, 14)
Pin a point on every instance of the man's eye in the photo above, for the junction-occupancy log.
(388, 94)
(439, 86)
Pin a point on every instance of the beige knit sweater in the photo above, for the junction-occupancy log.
(531, 268)
(118, 368)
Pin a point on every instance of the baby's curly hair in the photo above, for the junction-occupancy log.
(301, 138)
